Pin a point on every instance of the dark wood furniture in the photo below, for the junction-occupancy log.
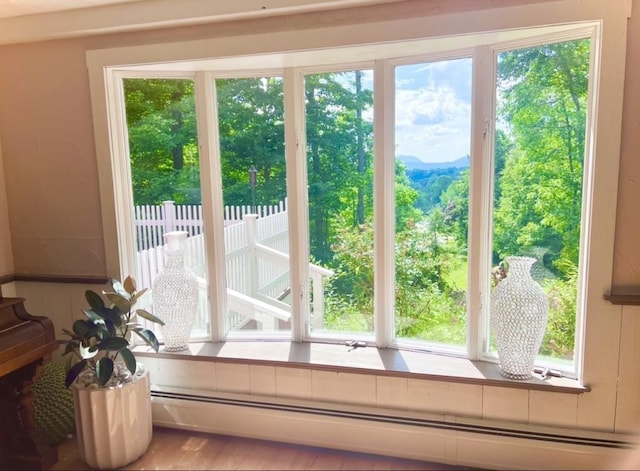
(26, 344)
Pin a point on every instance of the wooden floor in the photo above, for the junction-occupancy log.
(178, 449)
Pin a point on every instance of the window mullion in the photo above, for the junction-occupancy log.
(122, 178)
(295, 155)
(480, 201)
(212, 204)
(384, 202)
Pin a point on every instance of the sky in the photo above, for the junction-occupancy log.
(433, 110)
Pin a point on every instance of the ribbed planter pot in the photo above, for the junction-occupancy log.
(113, 425)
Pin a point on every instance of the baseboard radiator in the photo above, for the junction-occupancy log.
(455, 441)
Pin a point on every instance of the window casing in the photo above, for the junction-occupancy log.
(483, 57)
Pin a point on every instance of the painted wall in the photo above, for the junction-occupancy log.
(626, 273)
(49, 160)
(6, 252)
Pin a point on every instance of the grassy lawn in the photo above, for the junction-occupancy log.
(458, 276)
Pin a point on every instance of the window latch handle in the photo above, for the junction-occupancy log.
(546, 372)
(353, 344)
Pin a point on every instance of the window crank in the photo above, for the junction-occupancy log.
(353, 344)
(546, 372)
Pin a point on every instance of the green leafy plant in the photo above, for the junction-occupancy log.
(99, 340)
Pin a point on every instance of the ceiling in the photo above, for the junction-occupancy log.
(37, 20)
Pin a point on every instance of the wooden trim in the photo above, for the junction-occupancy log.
(623, 299)
(4, 279)
(365, 361)
(44, 278)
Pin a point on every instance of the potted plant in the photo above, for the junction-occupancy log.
(112, 392)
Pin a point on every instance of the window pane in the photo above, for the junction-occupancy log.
(433, 121)
(339, 114)
(165, 178)
(251, 129)
(539, 155)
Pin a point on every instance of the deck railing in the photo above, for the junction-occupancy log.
(257, 262)
(153, 221)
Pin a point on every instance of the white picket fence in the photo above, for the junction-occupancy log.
(153, 221)
(257, 267)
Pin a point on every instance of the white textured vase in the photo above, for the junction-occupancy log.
(113, 425)
(519, 312)
(175, 295)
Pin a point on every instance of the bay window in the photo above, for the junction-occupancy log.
(367, 194)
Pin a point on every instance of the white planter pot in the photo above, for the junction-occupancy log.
(113, 425)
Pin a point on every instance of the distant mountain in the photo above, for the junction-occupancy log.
(413, 163)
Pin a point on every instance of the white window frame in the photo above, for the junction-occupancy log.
(469, 350)
(378, 43)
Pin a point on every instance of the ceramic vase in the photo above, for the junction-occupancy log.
(519, 312)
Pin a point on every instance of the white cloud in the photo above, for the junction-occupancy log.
(433, 109)
(432, 124)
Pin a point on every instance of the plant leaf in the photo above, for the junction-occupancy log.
(149, 337)
(71, 346)
(119, 289)
(104, 370)
(121, 302)
(139, 294)
(110, 314)
(129, 359)
(82, 328)
(87, 352)
(73, 372)
(113, 344)
(93, 316)
(148, 316)
(111, 328)
(94, 299)
(130, 285)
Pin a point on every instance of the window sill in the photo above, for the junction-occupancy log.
(364, 360)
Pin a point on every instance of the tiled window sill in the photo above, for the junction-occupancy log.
(363, 360)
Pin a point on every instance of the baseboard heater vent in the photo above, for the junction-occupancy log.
(426, 423)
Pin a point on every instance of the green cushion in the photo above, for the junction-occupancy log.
(54, 413)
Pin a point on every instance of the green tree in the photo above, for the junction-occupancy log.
(251, 130)
(431, 184)
(543, 99)
(427, 307)
(162, 140)
(406, 198)
(339, 150)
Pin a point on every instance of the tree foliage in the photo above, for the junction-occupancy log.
(163, 143)
(251, 130)
(339, 155)
(543, 100)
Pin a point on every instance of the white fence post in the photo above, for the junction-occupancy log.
(252, 264)
(169, 216)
